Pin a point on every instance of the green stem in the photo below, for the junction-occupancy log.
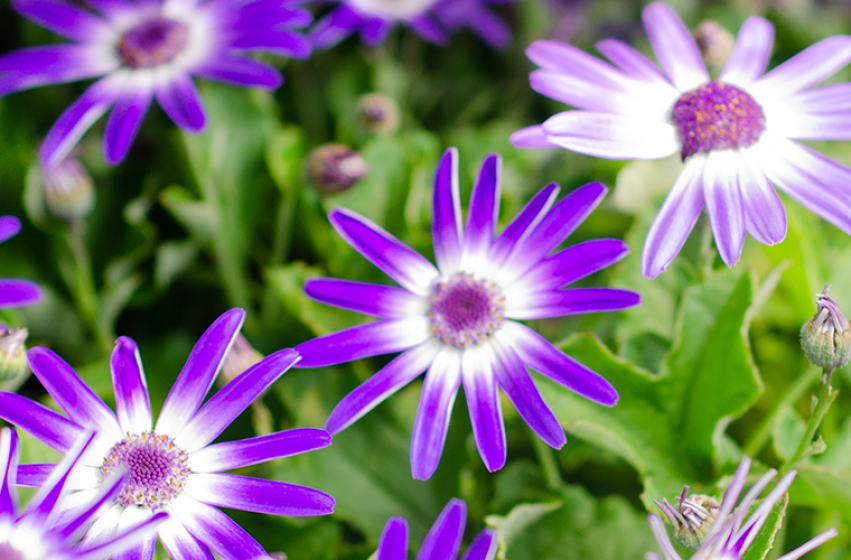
(823, 404)
(281, 242)
(545, 454)
(82, 285)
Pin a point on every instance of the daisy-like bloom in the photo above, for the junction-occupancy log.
(40, 532)
(433, 20)
(443, 540)
(15, 292)
(734, 133)
(459, 321)
(171, 466)
(731, 534)
(147, 50)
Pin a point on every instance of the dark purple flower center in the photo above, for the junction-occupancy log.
(153, 42)
(717, 116)
(156, 469)
(465, 311)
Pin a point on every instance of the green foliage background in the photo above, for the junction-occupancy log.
(708, 368)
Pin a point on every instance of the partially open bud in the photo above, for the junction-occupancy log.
(68, 190)
(715, 43)
(826, 338)
(692, 517)
(335, 168)
(378, 113)
(13, 353)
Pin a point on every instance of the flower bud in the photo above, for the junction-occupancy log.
(692, 518)
(335, 168)
(379, 113)
(715, 43)
(826, 338)
(68, 190)
(13, 353)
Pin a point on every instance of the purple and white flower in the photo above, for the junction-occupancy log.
(731, 534)
(734, 133)
(433, 20)
(460, 320)
(172, 466)
(443, 540)
(40, 532)
(147, 50)
(15, 292)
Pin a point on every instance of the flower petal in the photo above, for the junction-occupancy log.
(397, 260)
(807, 68)
(64, 19)
(724, 203)
(18, 293)
(394, 540)
(444, 538)
(10, 226)
(572, 61)
(830, 99)
(632, 61)
(675, 219)
(765, 215)
(257, 495)
(56, 431)
(181, 101)
(810, 545)
(216, 530)
(180, 544)
(387, 302)
(657, 526)
(483, 212)
(523, 224)
(531, 137)
(372, 339)
(84, 514)
(335, 27)
(242, 453)
(141, 549)
(446, 229)
(276, 41)
(438, 395)
(73, 395)
(749, 59)
(124, 123)
(132, 403)
(571, 264)
(239, 71)
(218, 413)
(674, 46)
(399, 372)
(374, 31)
(10, 453)
(483, 547)
(199, 373)
(570, 301)
(52, 64)
(482, 393)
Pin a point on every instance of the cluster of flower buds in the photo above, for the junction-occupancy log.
(826, 338)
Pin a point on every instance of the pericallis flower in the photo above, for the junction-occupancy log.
(731, 534)
(44, 531)
(171, 466)
(432, 20)
(460, 321)
(15, 292)
(826, 338)
(443, 540)
(147, 50)
(734, 133)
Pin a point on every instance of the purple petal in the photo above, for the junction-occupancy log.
(446, 229)
(810, 545)
(821, 126)
(124, 123)
(612, 136)
(73, 395)
(10, 453)
(730, 497)
(724, 203)
(675, 220)
(261, 496)
(132, 403)
(444, 539)
(483, 547)
(490, 28)
(523, 224)
(809, 67)
(831, 99)
(749, 58)
(657, 527)
(372, 339)
(77, 119)
(584, 94)
(10, 226)
(765, 215)
(63, 19)
(539, 354)
(484, 208)
(18, 293)
(125, 539)
(34, 475)
(515, 380)
(389, 379)
(216, 530)
(54, 64)
(374, 31)
(82, 518)
(574, 263)
(557, 303)
(482, 393)
(387, 302)
(674, 46)
(199, 373)
(397, 260)
(180, 100)
(56, 431)
(218, 413)
(631, 61)
(531, 137)
(181, 544)
(243, 72)
(276, 41)
(394, 540)
(237, 454)
(571, 61)
(428, 29)
(438, 395)
(335, 27)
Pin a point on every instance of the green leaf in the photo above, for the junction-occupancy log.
(764, 541)
(667, 426)
(510, 526)
(197, 217)
(787, 433)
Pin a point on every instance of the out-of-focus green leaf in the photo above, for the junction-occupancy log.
(787, 433)
(510, 526)
(764, 541)
(172, 259)
(197, 217)
(285, 154)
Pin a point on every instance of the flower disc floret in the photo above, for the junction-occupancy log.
(156, 469)
(465, 311)
(152, 43)
(717, 116)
